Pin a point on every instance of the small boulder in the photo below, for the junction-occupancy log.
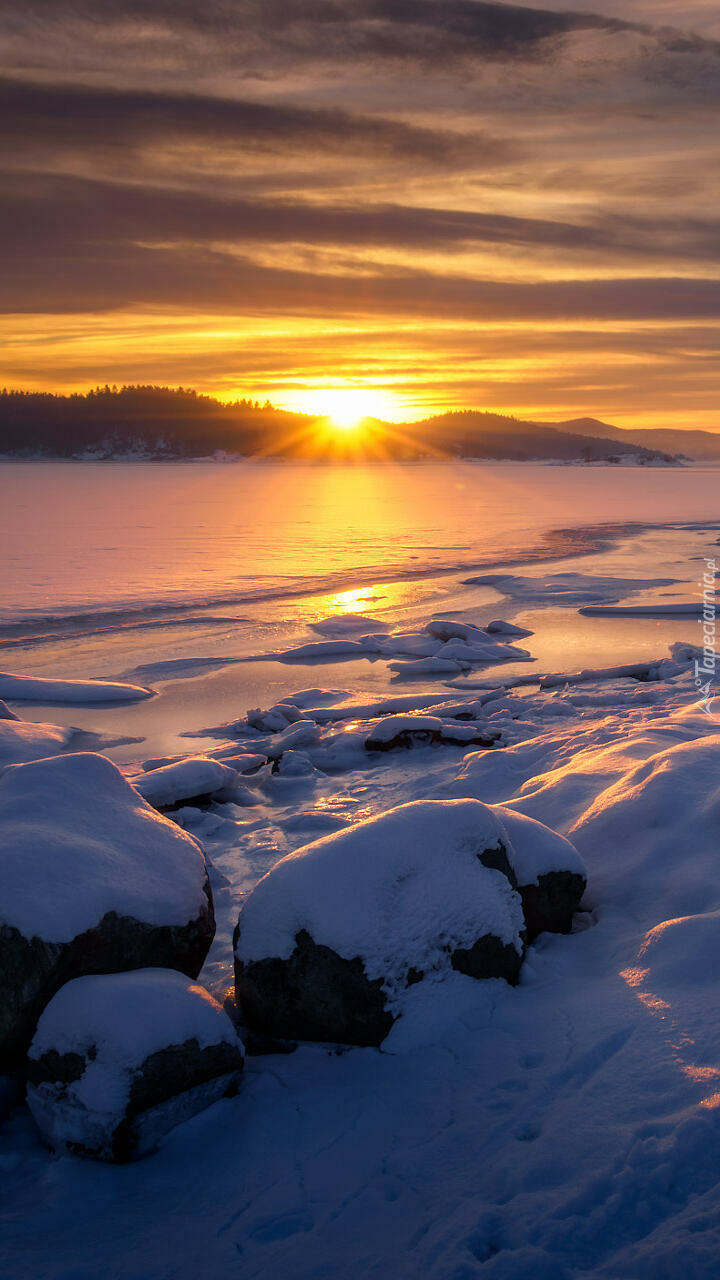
(501, 628)
(120, 1059)
(331, 938)
(92, 880)
(406, 731)
(193, 780)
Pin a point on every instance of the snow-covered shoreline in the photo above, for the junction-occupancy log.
(564, 1126)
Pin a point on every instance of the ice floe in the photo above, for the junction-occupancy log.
(68, 692)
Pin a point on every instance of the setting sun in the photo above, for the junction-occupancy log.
(345, 407)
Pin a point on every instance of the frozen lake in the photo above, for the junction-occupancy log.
(111, 569)
(79, 538)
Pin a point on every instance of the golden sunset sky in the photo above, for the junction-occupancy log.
(444, 203)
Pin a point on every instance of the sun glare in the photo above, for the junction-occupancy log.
(345, 407)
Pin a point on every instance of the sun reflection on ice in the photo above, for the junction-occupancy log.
(354, 601)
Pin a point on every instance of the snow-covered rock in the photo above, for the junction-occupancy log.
(119, 1059)
(548, 872)
(275, 719)
(422, 667)
(498, 627)
(193, 779)
(418, 731)
(347, 624)
(293, 764)
(329, 941)
(92, 880)
(454, 629)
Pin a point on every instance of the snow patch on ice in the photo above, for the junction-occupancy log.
(68, 692)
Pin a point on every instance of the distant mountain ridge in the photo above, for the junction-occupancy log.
(700, 445)
(165, 423)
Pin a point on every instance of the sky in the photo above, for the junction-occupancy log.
(439, 203)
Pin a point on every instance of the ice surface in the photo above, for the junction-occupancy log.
(571, 588)
(693, 609)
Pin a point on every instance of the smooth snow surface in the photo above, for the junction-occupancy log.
(39, 689)
(403, 886)
(20, 742)
(77, 841)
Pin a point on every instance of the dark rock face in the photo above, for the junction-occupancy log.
(408, 738)
(498, 860)
(313, 995)
(550, 904)
(11, 1092)
(167, 1087)
(317, 995)
(488, 958)
(33, 969)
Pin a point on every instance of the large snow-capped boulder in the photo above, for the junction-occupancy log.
(547, 870)
(328, 942)
(119, 1059)
(194, 779)
(92, 880)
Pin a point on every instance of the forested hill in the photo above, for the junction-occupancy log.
(150, 422)
(138, 420)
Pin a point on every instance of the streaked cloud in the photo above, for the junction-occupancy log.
(542, 181)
